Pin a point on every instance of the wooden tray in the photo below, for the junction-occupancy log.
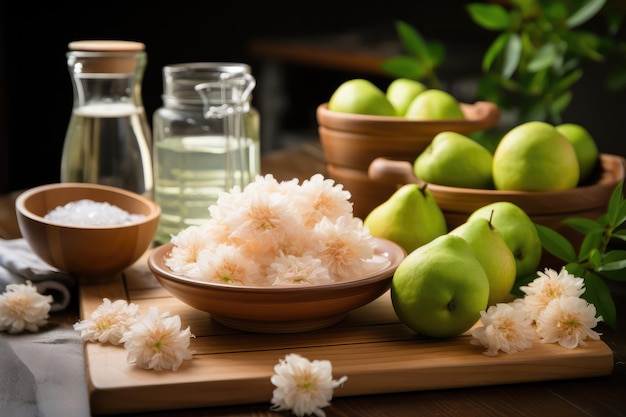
(370, 346)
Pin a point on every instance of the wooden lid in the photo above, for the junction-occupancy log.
(106, 46)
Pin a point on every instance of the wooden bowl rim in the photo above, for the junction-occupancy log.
(392, 251)
(20, 205)
(479, 115)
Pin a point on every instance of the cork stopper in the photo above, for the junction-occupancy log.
(107, 56)
(106, 46)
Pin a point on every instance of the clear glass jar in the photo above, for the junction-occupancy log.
(108, 139)
(206, 141)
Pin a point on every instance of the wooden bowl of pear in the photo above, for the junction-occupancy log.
(549, 208)
(86, 251)
(350, 142)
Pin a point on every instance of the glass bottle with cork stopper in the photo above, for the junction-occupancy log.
(108, 139)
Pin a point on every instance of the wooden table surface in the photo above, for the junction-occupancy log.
(596, 396)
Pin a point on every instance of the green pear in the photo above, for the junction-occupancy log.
(361, 97)
(440, 288)
(401, 93)
(494, 255)
(585, 146)
(410, 217)
(534, 156)
(455, 160)
(434, 104)
(519, 233)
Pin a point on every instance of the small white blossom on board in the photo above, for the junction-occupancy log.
(505, 328)
(23, 308)
(303, 387)
(568, 321)
(550, 285)
(157, 342)
(108, 322)
(551, 310)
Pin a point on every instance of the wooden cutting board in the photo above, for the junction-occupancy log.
(371, 347)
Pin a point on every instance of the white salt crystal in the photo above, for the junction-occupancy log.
(91, 213)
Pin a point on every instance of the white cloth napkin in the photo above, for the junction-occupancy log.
(42, 374)
(18, 263)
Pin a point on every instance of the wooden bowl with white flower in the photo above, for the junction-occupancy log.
(278, 258)
(89, 230)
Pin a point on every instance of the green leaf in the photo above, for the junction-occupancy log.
(616, 205)
(489, 16)
(584, 225)
(559, 105)
(595, 258)
(556, 244)
(614, 265)
(575, 269)
(436, 52)
(512, 55)
(544, 58)
(591, 242)
(619, 234)
(585, 44)
(494, 50)
(404, 67)
(566, 81)
(598, 294)
(588, 10)
(412, 41)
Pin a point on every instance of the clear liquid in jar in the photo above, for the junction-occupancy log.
(109, 144)
(190, 173)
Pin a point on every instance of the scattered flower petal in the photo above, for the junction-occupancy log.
(23, 308)
(156, 341)
(568, 320)
(108, 322)
(302, 386)
(505, 328)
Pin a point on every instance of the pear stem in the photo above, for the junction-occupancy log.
(423, 188)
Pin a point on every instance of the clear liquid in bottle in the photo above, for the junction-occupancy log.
(108, 144)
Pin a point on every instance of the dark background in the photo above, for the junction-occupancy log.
(36, 92)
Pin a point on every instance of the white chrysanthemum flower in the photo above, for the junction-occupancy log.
(23, 308)
(505, 328)
(318, 198)
(568, 320)
(298, 270)
(108, 322)
(187, 244)
(226, 264)
(344, 247)
(548, 286)
(264, 218)
(302, 386)
(156, 341)
(267, 184)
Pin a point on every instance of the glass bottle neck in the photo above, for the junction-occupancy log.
(106, 78)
